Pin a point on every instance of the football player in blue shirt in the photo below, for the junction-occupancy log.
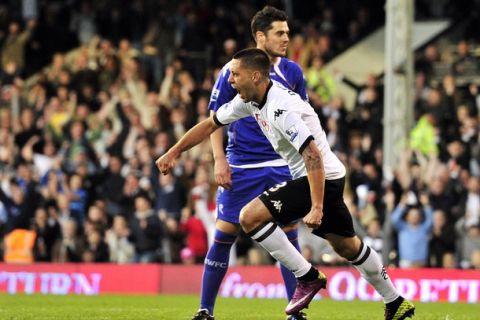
(250, 164)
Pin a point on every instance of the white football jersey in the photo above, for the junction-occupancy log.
(289, 123)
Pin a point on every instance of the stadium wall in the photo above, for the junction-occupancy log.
(426, 285)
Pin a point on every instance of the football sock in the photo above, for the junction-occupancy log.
(368, 263)
(288, 276)
(215, 268)
(311, 275)
(274, 240)
(395, 303)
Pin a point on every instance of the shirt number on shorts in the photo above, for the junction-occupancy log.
(278, 186)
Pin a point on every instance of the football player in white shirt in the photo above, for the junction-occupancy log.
(314, 195)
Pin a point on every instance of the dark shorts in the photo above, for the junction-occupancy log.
(290, 201)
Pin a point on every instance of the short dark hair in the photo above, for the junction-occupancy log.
(262, 20)
(255, 59)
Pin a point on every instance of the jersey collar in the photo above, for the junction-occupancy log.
(262, 103)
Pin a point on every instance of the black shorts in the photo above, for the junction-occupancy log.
(290, 201)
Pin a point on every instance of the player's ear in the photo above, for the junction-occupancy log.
(255, 76)
(259, 37)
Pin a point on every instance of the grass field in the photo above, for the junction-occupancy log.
(38, 307)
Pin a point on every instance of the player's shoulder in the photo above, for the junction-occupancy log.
(225, 71)
(280, 97)
(291, 65)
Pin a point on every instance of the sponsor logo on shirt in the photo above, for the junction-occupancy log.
(292, 132)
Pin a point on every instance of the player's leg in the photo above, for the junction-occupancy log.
(216, 266)
(370, 266)
(337, 228)
(288, 277)
(258, 222)
(274, 176)
(367, 262)
(229, 204)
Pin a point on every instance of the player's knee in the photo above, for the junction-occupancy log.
(346, 250)
(246, 218)
(250, 216)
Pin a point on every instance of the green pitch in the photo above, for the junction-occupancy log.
(38, 307)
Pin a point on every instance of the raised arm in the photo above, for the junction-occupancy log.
(193, 137)
(316, 179)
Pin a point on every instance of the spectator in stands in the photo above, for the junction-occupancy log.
(65, 213)
(19, 205)
(170, 196)
(469, 241)
(79, 149)
(97, 218)
(26, 129)
(413, 233)
(96, 250)
(117, 237)
(13, 49)
(465, 63)
(77, 195)
(131, 188)
(321, 84)
(47, 231)
(111, 187)
(299, 51)
(146, 231)
(427, 61)
(374, 236)
(70, 247)
(442, 241)
(423, 136)
(196, 235)
(470, 203)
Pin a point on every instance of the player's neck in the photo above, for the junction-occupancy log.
(262, 92)
(273, 60)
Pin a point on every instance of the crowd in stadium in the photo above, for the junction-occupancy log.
(126, 79)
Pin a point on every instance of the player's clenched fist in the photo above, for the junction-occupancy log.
(166, 162)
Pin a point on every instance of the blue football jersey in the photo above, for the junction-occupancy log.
(246, 142)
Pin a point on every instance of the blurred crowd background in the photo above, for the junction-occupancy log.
(92, 92)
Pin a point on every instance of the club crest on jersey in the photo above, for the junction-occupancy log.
(277, 113)
(262, 122)
(292, 132)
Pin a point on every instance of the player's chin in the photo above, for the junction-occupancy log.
(282, 52)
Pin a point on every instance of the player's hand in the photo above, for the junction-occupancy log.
(223, 173)
(166, 162)
(314, 218)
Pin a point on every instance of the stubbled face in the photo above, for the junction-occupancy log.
(275, 41)
(241, 80)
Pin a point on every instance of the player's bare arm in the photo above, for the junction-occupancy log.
(223, 175)
(316, 179)
(193, 137)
